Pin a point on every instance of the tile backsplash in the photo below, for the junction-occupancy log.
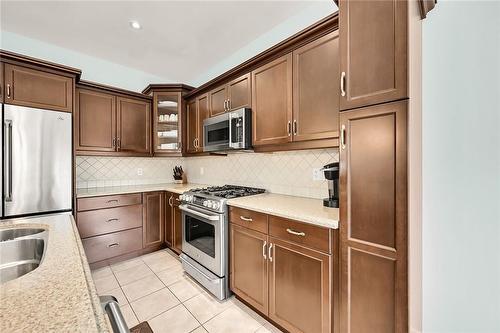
(282, 172)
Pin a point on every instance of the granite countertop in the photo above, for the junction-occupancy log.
(58, 296)
(296, 208)
(113, 190)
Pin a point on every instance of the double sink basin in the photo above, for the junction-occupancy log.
(21, 251)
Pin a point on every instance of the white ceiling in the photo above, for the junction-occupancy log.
(178, 40)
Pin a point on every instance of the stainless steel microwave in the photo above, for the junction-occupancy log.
(228, 131)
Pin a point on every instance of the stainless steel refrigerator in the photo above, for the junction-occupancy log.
(36, 161)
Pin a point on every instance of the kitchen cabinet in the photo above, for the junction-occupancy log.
(133, 126)
(272, 102)
(95, 121)
(283, 268)
(153, 218)
(35, 88)
(373, 52)
(248, 266)
(233, 95)
(175, 222)
(218, 100)
(203, 113)
(197, 111)
(373, 211)
(315, 87)
(1, 82)
(167, 123)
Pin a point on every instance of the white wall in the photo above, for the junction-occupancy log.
(461, 167)
(93, 69)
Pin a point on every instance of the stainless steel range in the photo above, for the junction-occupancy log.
(205, 234)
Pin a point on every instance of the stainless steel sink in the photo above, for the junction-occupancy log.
(21, 251)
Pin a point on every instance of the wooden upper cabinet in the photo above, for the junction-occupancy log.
(240, 92)
(373, 209)
(133, 125)
(217, 100)
(315, 87)
(95, 121)
(153, 218)
(34, 88)
(272, 102)
(191, 126)
(167, 123)
(203, 113)
(299, 288)
(373, 51)
(248, 266)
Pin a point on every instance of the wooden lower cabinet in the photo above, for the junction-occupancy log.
(248, 266)
(176, 222)
(153, 221)
(299, 288)
(169, 228)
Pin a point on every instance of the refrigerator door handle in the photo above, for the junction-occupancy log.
(8, 160)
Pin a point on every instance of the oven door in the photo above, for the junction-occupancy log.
(203, 237)
(216, 133)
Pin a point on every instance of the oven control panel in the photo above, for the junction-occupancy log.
(201, 201)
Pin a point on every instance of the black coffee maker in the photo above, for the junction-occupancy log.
(332, 175)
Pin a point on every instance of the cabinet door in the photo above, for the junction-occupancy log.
(299, 288)
(169, 228)
(217, 99)
(153, 218)
(1, 83)
(177, 222)
(373, 211)
(272, 102)
(134, 125)
(95, 121)
(203, 113)
(240, 92)
(315, 87)
(373, 51)
(248, 266)
(191, 126)
(38, 89)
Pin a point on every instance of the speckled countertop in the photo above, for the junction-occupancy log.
(58, 296)
(296, 208)
(113, 190)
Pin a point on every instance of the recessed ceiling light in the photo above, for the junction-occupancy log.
(135, 25)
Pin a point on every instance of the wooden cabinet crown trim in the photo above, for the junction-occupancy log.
(110, 89)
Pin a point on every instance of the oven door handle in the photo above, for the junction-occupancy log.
(199, 214)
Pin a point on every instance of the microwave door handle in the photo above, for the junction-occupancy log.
(199, 214)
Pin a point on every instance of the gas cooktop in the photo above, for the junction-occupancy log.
(228, 191)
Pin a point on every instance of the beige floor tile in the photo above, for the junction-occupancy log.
(160, 261)
(176, 320)
(118, 293)
(199, 330)
(132, 274)
(204, 306)
(123, 265)
(129, 316)
(184, 289)
(171, 275)
(232, 320)
(152, 305)
(142, 287)
(268, 328)
(249, 311)
(101, 272)
(106, 283)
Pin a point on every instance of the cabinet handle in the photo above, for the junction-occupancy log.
(289, 128)
(342, 84)
(296, 233)
(295, 127)
(228, 105)
(114, 143)
(113, 200)
(118, 143)
(269, 252)
(342, 137)
(112, 220)
(170, 201)
(264, 250)
(8, 90)
(114, 245)
(248, 219)
(225, 109)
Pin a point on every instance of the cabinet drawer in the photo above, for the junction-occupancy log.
(103, 221)
(111, 245)
(301, 233)
(109, 201)
(248, 219)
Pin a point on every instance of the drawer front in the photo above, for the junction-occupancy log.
(104, 221)
(301, 233)
(109, 201)
(111, 245)
(248, 219)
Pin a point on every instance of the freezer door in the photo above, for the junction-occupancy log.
(37, 160)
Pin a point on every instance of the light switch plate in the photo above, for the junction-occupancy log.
(318, 175)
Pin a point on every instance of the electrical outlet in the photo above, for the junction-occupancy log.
(318, 174)
(202, 171)
(139, 171)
